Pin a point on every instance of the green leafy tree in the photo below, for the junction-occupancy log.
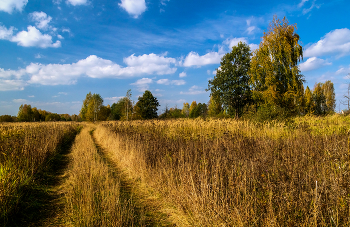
(119, 109)
(91, 106)
(147, 106)
(214, 107)
(275, 77)
(104, 113)
(230, 86)
(7, 118)
(25, 113)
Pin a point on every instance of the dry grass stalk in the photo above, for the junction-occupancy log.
(237, 173)
(92, 192)
(24, 150)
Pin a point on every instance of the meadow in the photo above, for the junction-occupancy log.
(185, 172)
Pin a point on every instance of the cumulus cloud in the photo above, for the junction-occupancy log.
(10, 5)
(183, 74)
(194, 59)
(41, 19)
(194, 90)
(30, 38)
(151, 63)
(6, 33)
(336, 42)
(171, 82)
(12, 85)
(313, 63)
(76, 2)
(92, 66)
(142, 84)
(134, 7)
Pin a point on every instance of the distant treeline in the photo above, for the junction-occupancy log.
(28, 114)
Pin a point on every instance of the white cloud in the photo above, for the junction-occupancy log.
(183, 74)
(10, 5)
(302, 3)
(172, 82)
(76, 2)
(113, 99)
(163, 81)
(142, 84)
(194, 90)
(12, 73)
(150, 63)
(11, 85)
(251, 29)
(193, 59)
(343, 70)
(313, 63)
(6, 33)
(60, 37)
(33, 37)
(335, 42)
(31, 96)
(178, 82)
(92, 66)
(39, 56)
(234, 42)
(20, 100)
(134, 7)
(42, 20)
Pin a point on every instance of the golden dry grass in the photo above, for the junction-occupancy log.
(25, 148)
(92, 190)
(239, 173)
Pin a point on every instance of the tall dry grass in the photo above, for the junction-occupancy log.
(92, 190)
(25, 148)
(239, 173)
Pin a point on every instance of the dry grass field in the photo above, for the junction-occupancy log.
(239, 173)
(213, 172)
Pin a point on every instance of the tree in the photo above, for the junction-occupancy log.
(128, 96)
(230, 86)
(319, 99)
(91, 106)
(186, 109)
(119, 109)
(192, 109)
(214, 107)
(329, 94)
(275, 77)
(104, 113)
(147, 106)
(25, 113)
(309, 104)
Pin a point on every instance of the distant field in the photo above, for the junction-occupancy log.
(213, 172)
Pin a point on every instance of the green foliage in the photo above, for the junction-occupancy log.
(7, 118)
(119, 109)
(214, 107)
(91, 107)
(53, 117)
(146, 107)
(275, 76)
(25, 113)
(104, 113)
(172, 113)
(230, 86)
(198, 110)
(324, 98)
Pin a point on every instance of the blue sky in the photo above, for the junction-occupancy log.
(53, 52)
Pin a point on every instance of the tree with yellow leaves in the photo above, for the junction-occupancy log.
(275, 77)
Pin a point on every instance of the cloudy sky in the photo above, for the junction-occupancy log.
(53, 52)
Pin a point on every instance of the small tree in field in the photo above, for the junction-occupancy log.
(230, 86)
(147, 106)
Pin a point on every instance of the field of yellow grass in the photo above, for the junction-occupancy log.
(213, 172)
